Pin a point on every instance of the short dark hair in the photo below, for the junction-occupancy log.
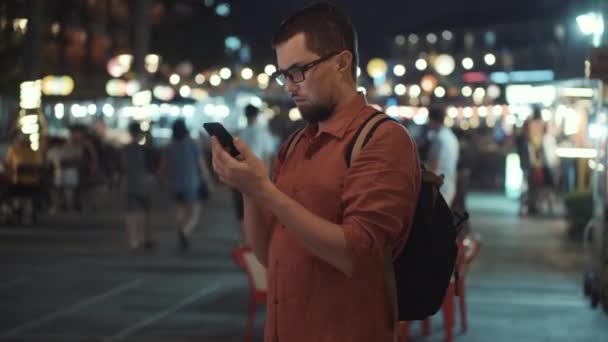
(537, 113)
(179, 130)
(134, 129)
(251, 111)
(327, 29)
(437, 114)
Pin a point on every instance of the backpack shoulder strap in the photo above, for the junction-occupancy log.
(291, 143)
(364, 133)
(359, 141)
(431, 177)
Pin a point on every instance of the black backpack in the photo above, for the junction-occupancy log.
(425, 265)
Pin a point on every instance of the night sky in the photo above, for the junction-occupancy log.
(379, 19)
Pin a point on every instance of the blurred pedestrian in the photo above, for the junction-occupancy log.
(53, 159)
(536, 171)
(259, 139)
(187, 176)
(523, 151)
(443, 153)
(24, 169)
(88, 167)
(137, 183)
(550, 169)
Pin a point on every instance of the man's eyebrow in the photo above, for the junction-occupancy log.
(292, 65)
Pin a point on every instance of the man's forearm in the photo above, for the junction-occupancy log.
(257, 224)
(323, 238)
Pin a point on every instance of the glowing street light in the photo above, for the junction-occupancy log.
(174, 79)
(439, 92)
(376, 67)
(215, 80)
(400, 89)
(399, 70)
(490, 59)
(592, 24)
(468, 63)
(225, 73)
(421, 64)
(444, 65)
(270, 69)
(247, 73)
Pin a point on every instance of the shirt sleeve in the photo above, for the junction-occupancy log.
(380, 195)
(276, 164)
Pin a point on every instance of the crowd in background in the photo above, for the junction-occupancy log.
(68, 173)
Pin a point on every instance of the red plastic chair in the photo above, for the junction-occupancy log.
(469, 248)
(258, 283)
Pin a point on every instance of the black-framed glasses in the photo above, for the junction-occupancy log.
(297, 72)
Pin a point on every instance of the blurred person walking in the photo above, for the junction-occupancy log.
(551, 164)
(443, 153)
(88, 167)
(537, 166)
(137, 183)
(523, 151)
(62, 157)
(24, 170)
(187, 176)
(259, 139)
(53, 159)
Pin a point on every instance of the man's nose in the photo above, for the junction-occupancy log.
(290, 86)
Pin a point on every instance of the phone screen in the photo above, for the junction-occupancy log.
(218, 130)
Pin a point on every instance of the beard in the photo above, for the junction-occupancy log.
(315, 113)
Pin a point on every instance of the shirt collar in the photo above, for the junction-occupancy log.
(337, 124)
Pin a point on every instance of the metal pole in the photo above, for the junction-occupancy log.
(31, 58)
(141, 39)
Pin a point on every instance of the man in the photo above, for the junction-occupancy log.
(322, 229)
(443, 153)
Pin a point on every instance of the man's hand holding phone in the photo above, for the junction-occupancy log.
(247, 173)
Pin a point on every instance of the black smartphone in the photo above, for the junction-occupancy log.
(218, 130)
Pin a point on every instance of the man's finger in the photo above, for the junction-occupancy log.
(216, 147)
(243, 148)
(218, 165)
(222, 155)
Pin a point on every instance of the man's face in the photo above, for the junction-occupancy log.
(313, 96)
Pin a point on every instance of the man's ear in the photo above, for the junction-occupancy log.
(345, 60)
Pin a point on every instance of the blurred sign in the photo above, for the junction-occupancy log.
(30, 94)
(528, 76)
(164, 93)
(597, 67)
(475, 77)
(116, 87)
(528, 94)
(57, 85)
(142, 98)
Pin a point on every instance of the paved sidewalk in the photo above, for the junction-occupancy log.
(71, 279)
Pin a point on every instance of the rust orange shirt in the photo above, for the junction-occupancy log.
(308, 299)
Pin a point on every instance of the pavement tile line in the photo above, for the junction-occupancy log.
(204, 292)
(71, 309)
(528, 300)
(5, 285)
(45, 337)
